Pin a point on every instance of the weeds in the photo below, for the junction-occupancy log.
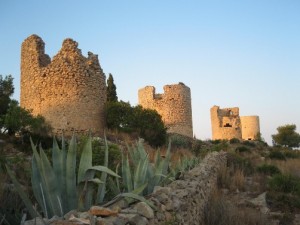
(277, 155)
(268, 169)
(220, 212)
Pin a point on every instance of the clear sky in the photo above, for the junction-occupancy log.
(243, 53)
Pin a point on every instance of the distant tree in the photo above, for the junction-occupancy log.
(6, 91)
(111, 89)
(287, 136)
(145, 122)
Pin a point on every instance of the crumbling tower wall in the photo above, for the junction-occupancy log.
(250, 127)
(174, 106)
(226, 123)
(69, 91)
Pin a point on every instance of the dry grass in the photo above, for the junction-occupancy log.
(232, 179)
(238, 180)
(221, 212)
(289, 166)
(176, 155)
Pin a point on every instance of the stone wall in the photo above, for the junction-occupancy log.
(174, 106)
(184, 201)
(250, 127)
(69, 90)
(226, 123)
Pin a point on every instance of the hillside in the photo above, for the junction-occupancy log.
(259, 185)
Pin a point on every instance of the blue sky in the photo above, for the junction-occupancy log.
(230, 53)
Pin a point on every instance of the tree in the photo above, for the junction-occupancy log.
(111, 89)
(146, 123)
(149, 125)
(6, 90)
(287, 136)
(21, 121)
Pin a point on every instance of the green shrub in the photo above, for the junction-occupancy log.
(242, 149)
(98, 148)
(268, 169)
(196, 147)
(285, 183)
(180, 141)
(284, 202)
(291, 154)
(218, 141)
(240, 163)
(277, 155)
(249, 143)
(234, 141)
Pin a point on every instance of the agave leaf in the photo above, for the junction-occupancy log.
(22, 194)
(103, 169)
(126, 174)
(40, 181)
(58, 164)
(51, 189)
(36, 182)
(113, 186)
(63, 173)
(140, 173)
(157, 158)
(139, 190)
(101, 189)
(117, 179)
(85, 159)
(141, 150)
(166, 161)
(71, 175)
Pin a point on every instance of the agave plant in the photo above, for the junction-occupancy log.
(139, 175)
(57, 188)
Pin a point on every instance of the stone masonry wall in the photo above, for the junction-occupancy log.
(226, 123)
(183, 201)
(174, 106)
(69, 91)
(250, 127)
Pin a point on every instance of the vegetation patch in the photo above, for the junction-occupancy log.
(268, 169)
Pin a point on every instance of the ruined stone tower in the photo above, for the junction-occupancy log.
(250, 127)
(226, 123)
(174, 106)
(69, 91)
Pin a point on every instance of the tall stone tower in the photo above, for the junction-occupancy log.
(174, 106)
(250, 127)
(69, 91)
(226, 123)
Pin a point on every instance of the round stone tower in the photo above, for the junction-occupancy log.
(250, 127)
(174, 106)
(226, 123)
(69, 91)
